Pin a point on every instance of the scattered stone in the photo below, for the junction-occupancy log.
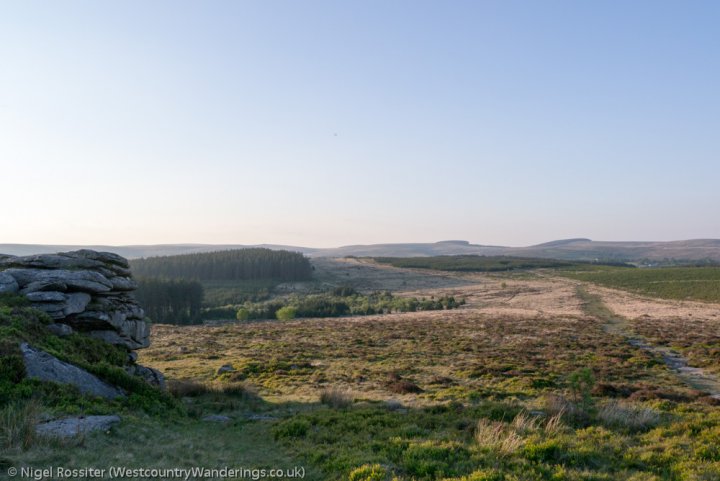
(69, 427)
(217, 418)
(260, 417)
(60, 330)
(8, 284)
(225, 368)
(43, 366)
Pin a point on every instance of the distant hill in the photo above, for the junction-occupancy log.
(567, 249)
(139, 251)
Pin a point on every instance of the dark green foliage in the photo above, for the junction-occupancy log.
(232, 265)
(475, 263)
(176, 300)
(344, 291)
(327, 305)
(295, 428)
(582, 383)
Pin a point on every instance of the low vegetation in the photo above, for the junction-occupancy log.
(429, 395)
(476, 263)
(20, 323)
(342, 301)
(691, 283)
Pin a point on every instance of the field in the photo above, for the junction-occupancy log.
(537, 377)
(694, 283)
(473, 263)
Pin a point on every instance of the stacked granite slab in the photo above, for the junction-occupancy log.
(87, 290)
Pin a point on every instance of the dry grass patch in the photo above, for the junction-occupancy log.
(628, 416)
(336, 398)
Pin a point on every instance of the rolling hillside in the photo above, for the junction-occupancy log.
(569, 249)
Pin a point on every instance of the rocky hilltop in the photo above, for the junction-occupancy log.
(86, 291)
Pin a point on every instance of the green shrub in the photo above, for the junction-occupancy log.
(582, 382)
(286, 313)
(431, 459)
(242, 314)
(546, 451)
(294, 428)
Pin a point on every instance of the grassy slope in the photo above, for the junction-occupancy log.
(474, 372)
(157, 429)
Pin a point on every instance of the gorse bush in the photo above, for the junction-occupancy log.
(369, 472)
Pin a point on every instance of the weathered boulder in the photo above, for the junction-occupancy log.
(84, 281)
(89, 291)
(76, 302)
(150, 375)
(8, 284)
(84, 292)
(60, 330)
(69, 427)
(132, 334)
(41, 365)
(49, 296)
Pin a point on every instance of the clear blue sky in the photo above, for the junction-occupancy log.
(330, 123)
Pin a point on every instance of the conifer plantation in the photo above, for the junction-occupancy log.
(232, 265)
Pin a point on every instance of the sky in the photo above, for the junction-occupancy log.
(351, 122)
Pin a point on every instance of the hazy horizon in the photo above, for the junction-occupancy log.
(327, 124)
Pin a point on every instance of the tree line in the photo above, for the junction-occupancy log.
(175, 301)
(231, 265)
(337, 303)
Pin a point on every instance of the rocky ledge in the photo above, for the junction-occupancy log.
(85, 290)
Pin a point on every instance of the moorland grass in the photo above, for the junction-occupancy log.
(691, 283)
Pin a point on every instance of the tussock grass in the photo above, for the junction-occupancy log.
(190, 388)
(17, 424)
(336, 398)
(623, 415)
(498, 436)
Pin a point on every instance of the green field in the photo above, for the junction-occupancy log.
(474, 263)
(692, 283)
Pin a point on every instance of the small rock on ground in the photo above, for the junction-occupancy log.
(69, 427)
(217, 418)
